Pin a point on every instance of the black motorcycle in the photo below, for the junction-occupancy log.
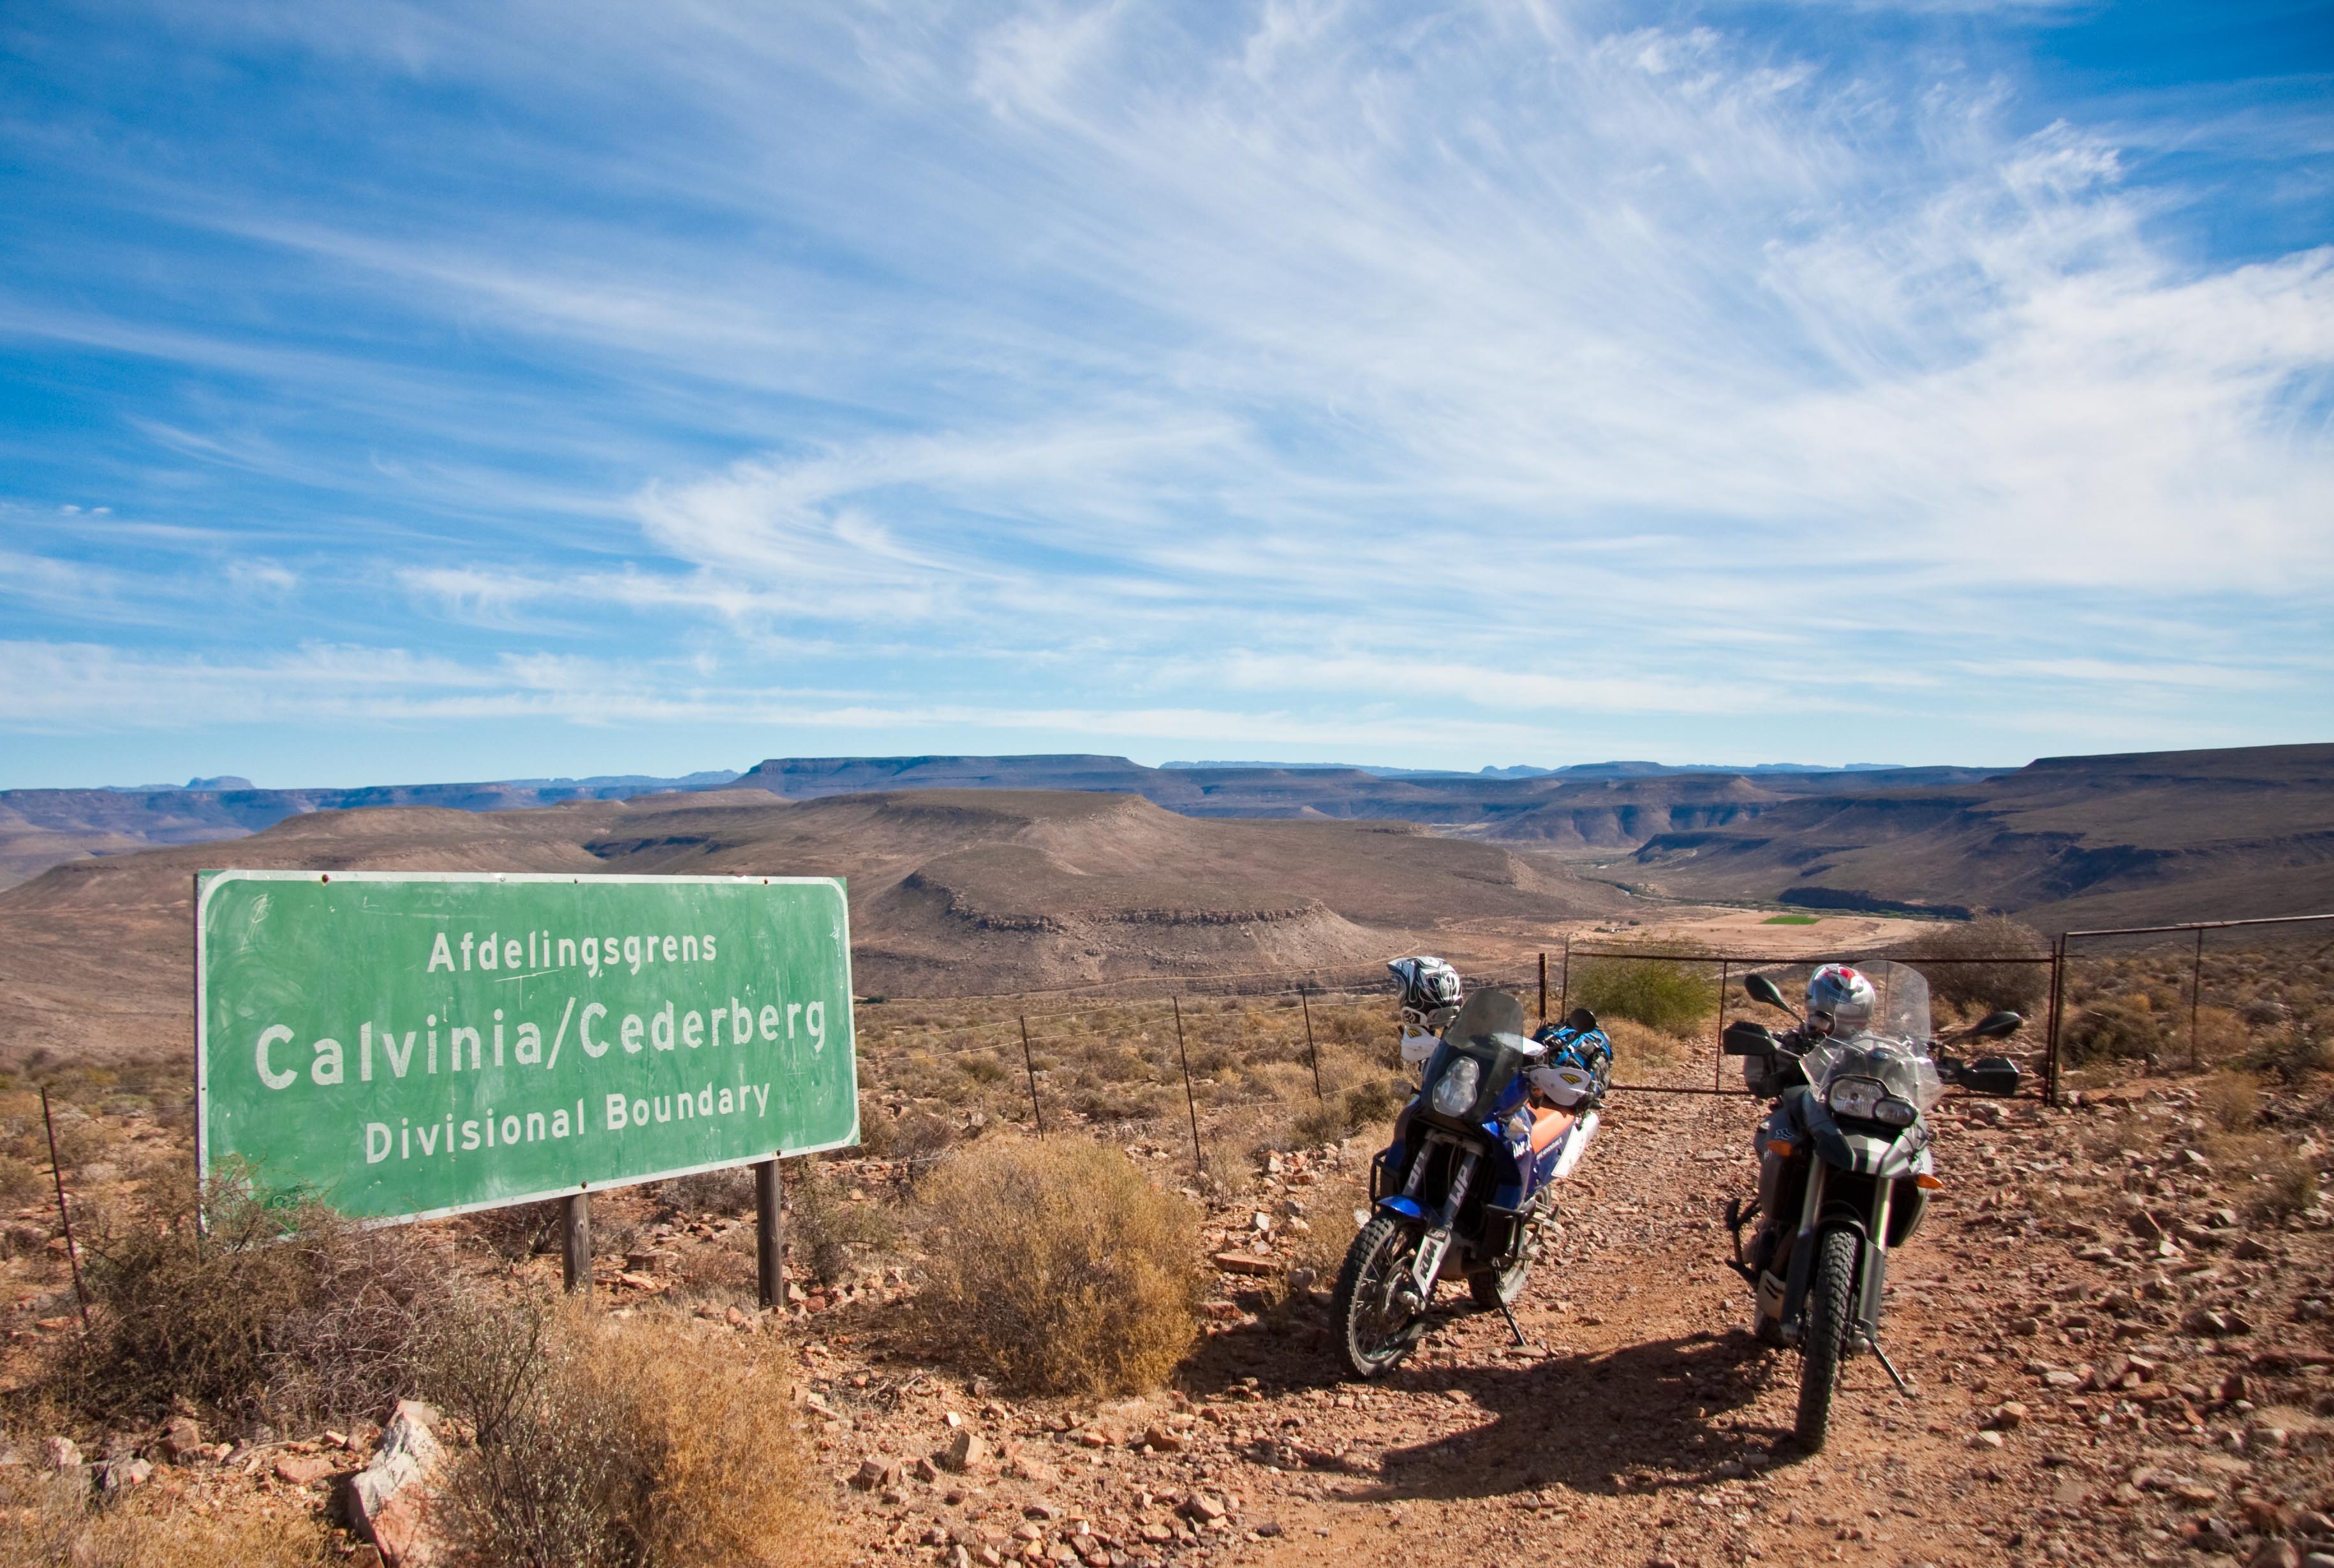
(1850, 1129)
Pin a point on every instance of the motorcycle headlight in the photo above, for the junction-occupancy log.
(1896, 1112)
(1857, 1096)
(1454, 1091)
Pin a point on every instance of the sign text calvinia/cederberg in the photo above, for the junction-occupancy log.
(439, 1057)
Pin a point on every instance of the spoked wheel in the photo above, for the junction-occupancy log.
(1829, 1316)
(1375, 1329)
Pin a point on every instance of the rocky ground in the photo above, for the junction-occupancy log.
(2116, 1357)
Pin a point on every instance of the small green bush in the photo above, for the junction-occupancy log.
(1669, 994)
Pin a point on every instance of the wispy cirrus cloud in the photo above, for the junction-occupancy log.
(1570, 373)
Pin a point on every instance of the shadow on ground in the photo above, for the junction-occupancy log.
(1644, 1418)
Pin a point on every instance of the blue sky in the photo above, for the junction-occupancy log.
(402, 393)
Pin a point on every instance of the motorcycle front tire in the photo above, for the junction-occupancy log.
(1829, 1314)
(1369, 1345)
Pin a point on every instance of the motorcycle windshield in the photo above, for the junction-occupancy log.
(1903, 1011)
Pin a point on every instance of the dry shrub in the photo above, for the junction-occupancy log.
(919, 1137)
(1056, 1267)
(1667, 994)
(2275, 1182)
(2112, 1031)
(824, 1225)
(517, 1231)
(649, 1442)
(729, 1191)
(2294, 1046)
(1636, 1047)
(1372, 1102)
(287, 1313)
(2019, 987)
(20, 1180)
(48, 1523)
(2230, 1101)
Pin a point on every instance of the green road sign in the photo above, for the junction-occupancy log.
(407, 1045)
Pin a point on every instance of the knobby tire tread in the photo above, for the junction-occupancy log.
(1829, 1315)
(1373, 1239)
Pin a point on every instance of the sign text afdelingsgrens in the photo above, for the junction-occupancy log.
(408, 1045)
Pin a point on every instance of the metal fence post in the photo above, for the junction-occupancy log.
(2050, 1035)
(2195, 997)
(1543, 988)
(1564, 997)
(1313, 1050)
(64, 1216)
(1029, 1066)
(1718, 1067)
(770, 1231)
(1190, 1099)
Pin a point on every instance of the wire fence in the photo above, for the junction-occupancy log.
(2158, 992)
(1129, 1056)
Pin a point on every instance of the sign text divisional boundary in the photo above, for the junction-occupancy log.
(407, 1045)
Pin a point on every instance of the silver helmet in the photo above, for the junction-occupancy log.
(1841, 1001)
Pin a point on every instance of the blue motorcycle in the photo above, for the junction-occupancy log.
(1467, 1188)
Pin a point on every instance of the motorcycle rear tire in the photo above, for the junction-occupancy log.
(1829, 1323)
(1376, 1249)
(1495, 1288)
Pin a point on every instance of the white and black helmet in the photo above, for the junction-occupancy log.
(1841, 1001)
(1427, 985)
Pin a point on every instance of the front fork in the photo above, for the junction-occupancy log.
(1872, 1268)
(1417, 1288)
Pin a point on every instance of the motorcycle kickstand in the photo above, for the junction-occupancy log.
(1895, 1376)
(1512, 1328)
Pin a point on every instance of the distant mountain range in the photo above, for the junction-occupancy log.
(2073, 839)
(44, 827)
(2064, 842)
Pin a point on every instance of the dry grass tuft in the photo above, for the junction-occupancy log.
(2231, 1101)
(1056, 1267)
(652, 1442)
(1636, 1047)
(50, 1522)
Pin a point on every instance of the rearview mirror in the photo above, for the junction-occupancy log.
(1762, 988)
(1995, 1025)
(1580, 1021)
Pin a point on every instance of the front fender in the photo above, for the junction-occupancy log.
(1406, 1208)
(1865, 1153)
